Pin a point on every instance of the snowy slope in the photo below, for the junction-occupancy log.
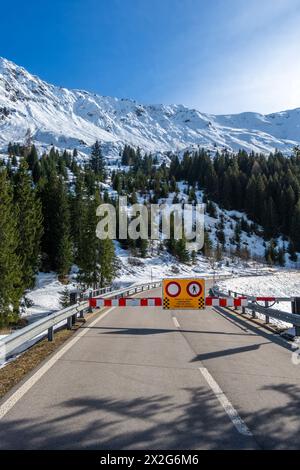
(75, 118)
(280, 284)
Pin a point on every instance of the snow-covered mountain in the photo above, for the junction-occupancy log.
(74, 118)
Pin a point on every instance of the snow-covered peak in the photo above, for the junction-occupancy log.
(76, 118)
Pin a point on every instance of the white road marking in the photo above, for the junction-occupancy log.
(15, 397)
(176, 322)
(228, 407)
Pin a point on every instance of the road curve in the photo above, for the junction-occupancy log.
(144, 378)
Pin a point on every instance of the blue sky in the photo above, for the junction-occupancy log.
(219, 56)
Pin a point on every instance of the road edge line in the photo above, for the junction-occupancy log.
(235, 418)
(31, 381)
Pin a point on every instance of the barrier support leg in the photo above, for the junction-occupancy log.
(267, 316)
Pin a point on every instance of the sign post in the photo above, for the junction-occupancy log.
(183, 294)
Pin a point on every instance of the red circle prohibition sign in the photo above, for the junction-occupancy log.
(176, 291)
(192, 289)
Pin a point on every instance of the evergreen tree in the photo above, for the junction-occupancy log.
(96, 258)
(32, 157)
(56, 241)
(142, 246)
(64, 299)
(108, 262)
(97, 161)
(295, 227)
(10, 273)
(181, 252)
(29, 225)
(207, 248)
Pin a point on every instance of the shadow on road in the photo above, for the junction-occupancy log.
(255, 328)
(149, 422)
(156, 331)
(227, 352)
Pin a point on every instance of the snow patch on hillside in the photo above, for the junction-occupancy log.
(45, 297)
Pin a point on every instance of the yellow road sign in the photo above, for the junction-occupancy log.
(183, 294)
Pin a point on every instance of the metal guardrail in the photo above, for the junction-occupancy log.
(23, 339)
(254, 307)
(94, 293)
(253, 298)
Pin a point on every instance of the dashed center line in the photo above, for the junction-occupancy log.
(176, 322)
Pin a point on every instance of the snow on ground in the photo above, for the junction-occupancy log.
(45, 297)
(139, 271)
(163, 265)
(279, 284)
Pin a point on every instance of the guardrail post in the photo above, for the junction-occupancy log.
(73, 298)
(81, 314)
(73, 319)
(69, 323)
(296, 310)
(50, 333)
(267, 316)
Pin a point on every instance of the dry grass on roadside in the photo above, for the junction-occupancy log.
(15, 371)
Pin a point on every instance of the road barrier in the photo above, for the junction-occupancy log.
(158, 302)
(226, 302)
(126, 302)
(23, 339)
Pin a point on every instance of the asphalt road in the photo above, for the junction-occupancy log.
(144, 378)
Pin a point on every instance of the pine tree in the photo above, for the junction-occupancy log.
(10, 274)
(97, 160)
(181, 252)
(56, 241)
(32, 157)
(207, 248)
(142, 246)
(96, 258)
(78, 213)
(29, 225)
(295, 227)
(64, 299)
(64, 255)
(108, 262)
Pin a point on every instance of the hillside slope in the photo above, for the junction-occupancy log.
(74, 118)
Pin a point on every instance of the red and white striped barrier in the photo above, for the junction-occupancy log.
(226, 302)
(157, 302)
(126, 302)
